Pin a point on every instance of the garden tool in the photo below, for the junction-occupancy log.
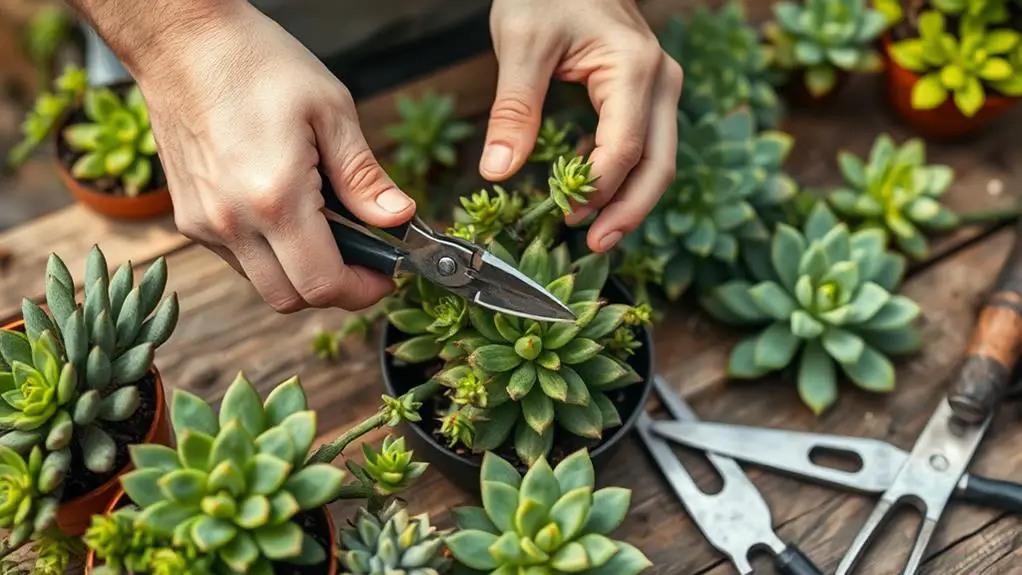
(736, 520)
(457, 265)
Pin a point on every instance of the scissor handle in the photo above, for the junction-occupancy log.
(996, 493)
(995, 346)
(792, 561)
(356, 247)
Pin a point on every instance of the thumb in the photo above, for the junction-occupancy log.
(359, 181)
(522, 83)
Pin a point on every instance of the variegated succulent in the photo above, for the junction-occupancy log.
(897, 191)
(76, 368)
(393, 543)
(826, 297)
(725, 64)
(549, 521)
(727, 174)
(237, 479)
(539, 376)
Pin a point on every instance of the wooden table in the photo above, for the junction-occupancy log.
(225, 327)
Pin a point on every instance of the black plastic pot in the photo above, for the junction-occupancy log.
(462, 469)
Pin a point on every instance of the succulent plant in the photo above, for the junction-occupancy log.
(825, 38)
(725, 64)
(538, 373)
(432, 315)
(895, 191)
(394, 543)
(552, 141)
(237, 478)
(27, 508)
(727, 173)
(482, 216)
(427, 133)
(117, 141)
(48, 109)
(571, 180)
(391, 468)
(959, 66)
(988, 11)
(458, 426)
(55, 553)
(125, 547)
(77, 367)
(549, 521)
(829, 295)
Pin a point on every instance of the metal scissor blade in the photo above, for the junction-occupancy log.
(791, 451)
(500, 287)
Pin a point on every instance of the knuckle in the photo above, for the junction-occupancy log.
(322, 293)
(648, 55)
(665, 178)
(628, 151)
(516, 26)
(223, 221)
(674, 75)
(269, 198)
(511, 109)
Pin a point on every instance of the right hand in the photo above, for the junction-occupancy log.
(243, 114)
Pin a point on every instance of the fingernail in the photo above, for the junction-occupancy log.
(393, 201)
(579, 215)
(610, 240)
(497, 158)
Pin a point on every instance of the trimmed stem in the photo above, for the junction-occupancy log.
(989, 216)
(330, 451)
(355, 491)
(530, 217)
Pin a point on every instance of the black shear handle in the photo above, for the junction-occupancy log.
(357, 248)
(792, 561)
(1004, 495)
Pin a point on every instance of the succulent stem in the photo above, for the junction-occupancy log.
(531, 216)
(989, 216)
(327, 452)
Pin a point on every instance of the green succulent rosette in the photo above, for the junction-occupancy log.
(391, 468)
(394, 543)
(427, 133)
(549, 521)
(826, 298)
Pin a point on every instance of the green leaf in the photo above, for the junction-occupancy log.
(190, 412)
(506, 328)
(558, 334)
(852, 169)
(315, 485)
(970, 97)
(535, 262)
(538, 411)
(578, 350)
(896, 313)
(98, 448)
(895, 342)
(872, 372)
(253, 512)
(734, 296)
(466, 518)
(583, 421)
(928, 92)
(495, 358)
(194, 449)
(820, 80)
(471, 548)
(495, 468)
(417, 349)
(164, 516)
(742, 360)
(530, 446)
(598, 548)
(817, 380)
(151, 455)
(500, 501)
(609, 509)
(607, 320)
(184, 486)
(286, 399)
(785, 253)
(592, 274)
(494, 431)
(600, 371)
(627, 561)
(775, 347)
(267, 474)
(227, 476)
(241, 403)
(411, 320)
(132, 365)
(772, 299)
(844, 346)
(574, 471)
(280, 542)
(805, 326)
(240, 553)
(522, 380)
(142, 486)
(701, 239)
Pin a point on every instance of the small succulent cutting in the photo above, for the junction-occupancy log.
(75, 369)
(393, 543)
(825, 38)
(481, 216)
(549, 521)
(826, 298)
(116, 141)
(538, 374)
(725, 64)
(552, 141)
(391, 468)
(895, 190)
(237, 479)
(49, 108)
(961, 67)
(28, 504)
(727, 174)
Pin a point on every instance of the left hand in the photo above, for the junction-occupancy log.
(634, 86)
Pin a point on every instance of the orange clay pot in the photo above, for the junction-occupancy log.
(73, 516)
(331, 560)
(944, 122)
(147, 205)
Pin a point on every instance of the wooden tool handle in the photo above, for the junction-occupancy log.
(995, 346)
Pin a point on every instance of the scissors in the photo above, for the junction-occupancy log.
(457, 265)
(736, 520)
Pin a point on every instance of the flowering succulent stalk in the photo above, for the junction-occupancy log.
(551, 142)
(570, 180)
(959, 66)
(828, 300)
(896, 191)
(825, 37)
(49, 108)
(549, 521)
(393, 543)
(727, 174)
(237, 479)
(725, 64)
(391, 468)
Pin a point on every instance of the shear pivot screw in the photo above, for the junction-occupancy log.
(938, 462)
(446, 266)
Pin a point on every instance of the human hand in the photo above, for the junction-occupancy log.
(633, 85)
(243, 114)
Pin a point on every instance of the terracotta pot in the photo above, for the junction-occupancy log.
(119, 499)
(945, 121)
(144, 206)
(73, 516)
(798, 96)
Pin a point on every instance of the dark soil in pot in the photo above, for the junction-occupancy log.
(459, 465)
(113, 186)
(79, 480)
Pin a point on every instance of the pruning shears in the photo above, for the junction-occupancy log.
(457, 265)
